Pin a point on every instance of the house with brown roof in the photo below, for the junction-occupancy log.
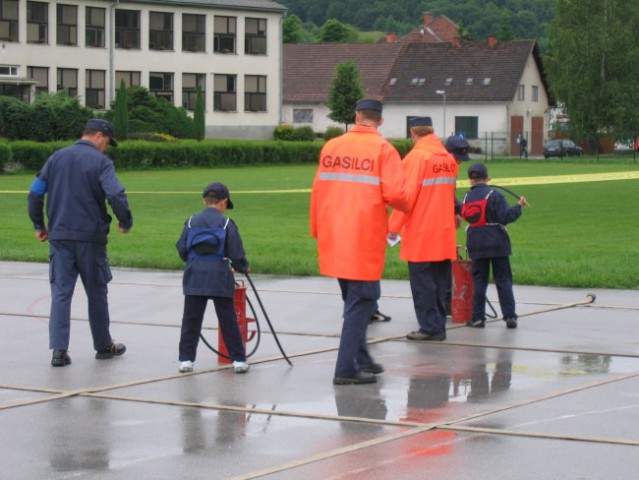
(489, 92)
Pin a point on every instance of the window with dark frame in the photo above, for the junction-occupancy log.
(160, 31)
(302, 115)
(521, 95)
(224, 34)
(95, 26)
(68, 80)
(193, 33)
(66, 24)
(161, 85)
(190, 82)
(41, 74)
(225, 93)
(94, 95)
(130, 78)
(535, 93)
(255, 36)
(254, 93)
(127, 29)
(37, 22)
(468, 126)
(9, 20)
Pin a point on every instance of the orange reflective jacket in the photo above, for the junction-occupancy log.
(359, 174)
(428, 231)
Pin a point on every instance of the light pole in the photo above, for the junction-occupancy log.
(443, 94)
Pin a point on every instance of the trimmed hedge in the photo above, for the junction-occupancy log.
(137, 155)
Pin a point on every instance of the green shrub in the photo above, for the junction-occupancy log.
(32, 155)
(284, 132)
(332, 132)
(304, 134)
(5, 154)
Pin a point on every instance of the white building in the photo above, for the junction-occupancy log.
(232, 48)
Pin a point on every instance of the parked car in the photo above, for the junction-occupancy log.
(561, 148)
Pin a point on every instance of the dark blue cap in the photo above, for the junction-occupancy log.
(478, 171)
(369, 104)
(218, 190)
(458, 146)
(420, 122)
(105, 127)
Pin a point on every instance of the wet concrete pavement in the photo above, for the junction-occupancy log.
(557, 398)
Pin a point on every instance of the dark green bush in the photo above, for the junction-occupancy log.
(32, 155)
(304, 134)
(5, 154)
(284, 132)
(332, 132)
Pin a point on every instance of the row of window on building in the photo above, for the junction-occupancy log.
(161, 84)
(127, 28)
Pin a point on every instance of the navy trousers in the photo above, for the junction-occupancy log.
(429, 284)
(360, 302)
(194, 308)
(503, 281)
(67, 260)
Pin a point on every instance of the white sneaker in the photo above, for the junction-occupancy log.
(186, 366)
(240, 367)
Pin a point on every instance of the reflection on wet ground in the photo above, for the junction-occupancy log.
(485, 403)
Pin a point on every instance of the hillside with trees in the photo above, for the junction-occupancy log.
(505, 19)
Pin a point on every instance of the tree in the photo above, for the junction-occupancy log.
(595, 64)
(344, 91)
(334, 31)
(292, 30)
(199, 124)
(121, 113)
(505, 31)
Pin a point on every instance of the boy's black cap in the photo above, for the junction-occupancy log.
(477, 171)
(103, 126)
(458, 146)
(218, 190)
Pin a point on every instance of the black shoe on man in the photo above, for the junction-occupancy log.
(374, 368)
(60, 358)
(476, 323)
(357, 379)
(113, 350)
(418, 336)
(511, 322)
(380, 317)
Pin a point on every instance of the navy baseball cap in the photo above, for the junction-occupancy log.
(420, 122)
(369, 104)
(478, 171)
(218, 190)
(458, 146)
(105, 127)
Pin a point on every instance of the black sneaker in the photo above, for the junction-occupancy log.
(380, 317)
(113, 350)
(418, 336)
(360, 378)
(60, 358)
(476, 323)
(511, 322)
(374, 368)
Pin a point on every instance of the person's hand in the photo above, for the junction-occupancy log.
(458, 221)
(523, 202)
(42, 235)
(122, 229)
(392, 236)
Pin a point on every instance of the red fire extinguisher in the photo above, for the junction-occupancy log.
(461, 307)
(242, 320)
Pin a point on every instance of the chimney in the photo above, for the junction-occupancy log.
(456, 41)
(391, 37)
(492, 41)
(427, 18)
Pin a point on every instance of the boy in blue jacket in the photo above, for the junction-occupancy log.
(487, 212)
(211, 245)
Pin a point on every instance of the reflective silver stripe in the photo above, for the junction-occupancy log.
(438, 181)
(349, 177)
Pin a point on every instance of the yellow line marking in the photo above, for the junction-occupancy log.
(544, 180)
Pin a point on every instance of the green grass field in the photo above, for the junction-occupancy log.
(574, 235)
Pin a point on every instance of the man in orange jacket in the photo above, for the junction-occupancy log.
(428, 239)
(359, 174)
